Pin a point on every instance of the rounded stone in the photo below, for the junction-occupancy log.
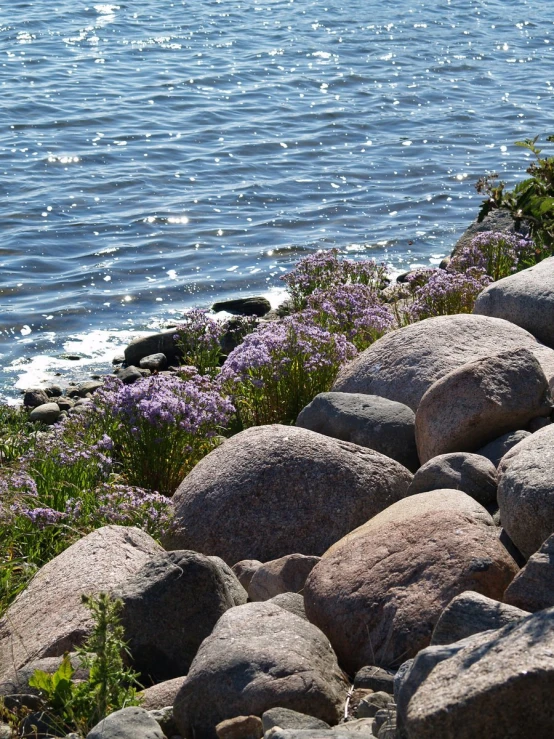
(48, 413)
(471, 473)
(497, 448)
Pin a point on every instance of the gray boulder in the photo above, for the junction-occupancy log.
(258, 657)
(128, 723)
(170, 606)
(48, 413)
(276, 490)
(533, 587)
(496, 449)
(154, 362)
(293, 602)
(284, 575)
(525, 298)
(48, 618)
(144, 346)
(245, 569)
(403, 364)
(479, 401)
(35, 397)
(339, 732)
(499, 686)
(254, 306)
(526, 491)
(285, 718)
(161, 695)
(471, 473)
(368, 706)
(471, 613)
(375, 678)
(366, 420)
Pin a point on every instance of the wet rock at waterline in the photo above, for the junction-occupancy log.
(403, 364)
(379, 592)
(368, 420)
(276, 490)
(144, 346)
(255, 306)
(470, 473)
(258, 657)
(479, 401)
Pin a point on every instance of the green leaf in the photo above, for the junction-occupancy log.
(42, 681)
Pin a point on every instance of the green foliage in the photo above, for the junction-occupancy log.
(531, 200)
(110, 686)
(17, 434)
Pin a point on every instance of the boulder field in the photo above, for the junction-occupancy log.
(383, 568)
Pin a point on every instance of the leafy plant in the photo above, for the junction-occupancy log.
(531, 200)
(110, 686)
(17, 434)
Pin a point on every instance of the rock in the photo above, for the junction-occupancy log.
(84, 388)
(64, 403)
(479, 401)
(276, 490)
(368, 706)
(378, 592)
(340, 732)
(161, 695)
(258, 657)
(388, 730)
(170, 606)
(499, 687)
(471, 473)
(16, 682)
(536, 424)
(5, 731)
(375, 678)
(497, 220)
(53, 391)
(525, 298)
(284, 575)
(240, 727)
(285, 718)
(255, 306)
(154, 362)
(496, 449)
(48, 618)
(127, 723)
(35, 398)
(293, 602)
(471, 613)
(144, 346)
(403, 364)
(129, 375)
(367, 420)
(526, 491)
(164, 717)
(48, 413)
(245, 569)
(359, 726)
(533, 587)
(237, 592)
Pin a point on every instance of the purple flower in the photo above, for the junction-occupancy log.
(440, 292)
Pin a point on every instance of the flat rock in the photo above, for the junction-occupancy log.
(47, 413)
(367, 420)
(276, 490)
(127, 723)
(284, 575)
(496, 449)
(285, 718)
(525, 298)
(161, 695)
(479, 401)
(403, 364)
(48, 618)
(498, 687)
(471, 473)
(471, 613)
(258, 657)
(526, 491)
(170, 606)
(533, 587)
(379, 592)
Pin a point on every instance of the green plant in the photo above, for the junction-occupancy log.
(531, 200)
(17, 434)
(78, 706)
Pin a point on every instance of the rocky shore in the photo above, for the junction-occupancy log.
(383, 568)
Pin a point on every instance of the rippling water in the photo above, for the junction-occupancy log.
(158, 154)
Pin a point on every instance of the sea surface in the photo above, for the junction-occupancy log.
(155, 155)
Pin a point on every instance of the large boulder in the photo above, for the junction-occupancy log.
(499, 686)
(48, 618)
(161, 695)
(403, 364)
(258, 657)
(471, 473)
(276, 490)
(127, 723)
(526, 491)
(525, 298)
(284, 575)
(479, 401)
(497, 448)
(379, 592)
(170, 606)
(367, 420)
(533, 587)
(471, 613)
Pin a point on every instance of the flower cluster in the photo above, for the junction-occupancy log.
(280, 367)
(497, 254)
(440, 292)
(198, 338)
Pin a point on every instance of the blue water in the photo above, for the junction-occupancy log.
(159, 154)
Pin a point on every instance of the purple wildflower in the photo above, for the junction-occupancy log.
(198, 338)
(440, 292)
(497, 254)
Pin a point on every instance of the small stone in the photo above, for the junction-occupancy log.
(154, 362)
(48, 413)
(90, 386)
(130, 375)
(286, 718)
(496, 449)
(245, 569)
(118, 359)
(368, 706)
(292, 602)
(471, 473)
(127, 723)
(284, 575)
(240, 727)
(164, 716)
(53, 391)
(5, 731)
(375, 678)
(161, 695)
(255, 306)
(35, 398)
(64, 403)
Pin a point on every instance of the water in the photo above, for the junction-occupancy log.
(156, 154)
